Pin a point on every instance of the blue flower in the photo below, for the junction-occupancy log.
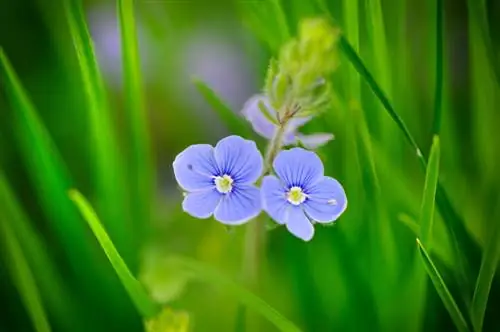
(219, 180)
(266, 128)
(301, 194)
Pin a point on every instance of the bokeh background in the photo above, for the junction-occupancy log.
(364, 273)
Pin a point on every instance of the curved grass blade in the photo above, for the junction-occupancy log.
(410, 223)
(489, 264)
(47, 171)
(442, 290)
(236, 124)
(429, 195)
(23, 278)
(141, 160)
(144, 304)
(108, 170)
(246, 297)
(438, 94)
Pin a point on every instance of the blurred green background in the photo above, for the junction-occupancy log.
(362, 274)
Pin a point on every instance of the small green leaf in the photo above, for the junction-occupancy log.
(442, 290)
(236, 124)
(428, 199)
(246, 297)
(144, 304)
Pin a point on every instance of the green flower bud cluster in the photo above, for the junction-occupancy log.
(297, 83)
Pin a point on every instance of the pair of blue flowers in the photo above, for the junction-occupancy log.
(221, 181)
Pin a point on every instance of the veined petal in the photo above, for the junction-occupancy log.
(314, 141)
(195, 166)
(260, 123)
(239, 206)
(298, 224)
(239, 158)
(298, 167)
(274, 199)
(201, 204)
(326, 200)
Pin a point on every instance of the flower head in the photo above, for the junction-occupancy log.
(220, 180)
(266, 124)
(300, 194)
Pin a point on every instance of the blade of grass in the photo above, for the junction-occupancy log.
(489, 265)
(442, 290)
(141, 162)
(236, 124)
(108, 171)
(144, 304)
(48, 173)
(410, 223)
(428, 199)
(214, 277)
(438, 94)
(23, 278)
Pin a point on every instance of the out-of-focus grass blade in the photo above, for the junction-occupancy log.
(23, 277)
(246, 297)
(428, 199)
(410, 223)
(438, 94)
(47, 171)
(235, 123)
(442, 290)
(52, 287)
(107, 169)
(491, 257)
(144, 304)
(141, 163)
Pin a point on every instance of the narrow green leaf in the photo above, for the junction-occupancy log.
(429, 195)
(236, 124)
(107, 169)
(438, 94)
(47, 171)
(410, 223)
(23, 278)
(442, 290)
(144, 304)
(246, 297)
(489, 264)
(141, 162)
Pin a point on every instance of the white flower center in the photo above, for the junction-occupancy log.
(296, 196)
(224, 184)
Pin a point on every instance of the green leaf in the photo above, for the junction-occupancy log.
(438, 94)
(428, 199)
(47, 172)
(236, 124)
(137, 121)
(144, 304)
(489, 265)
(23, 278)
(245, 297)
(410, 223)
(442, 290)
(107, 168)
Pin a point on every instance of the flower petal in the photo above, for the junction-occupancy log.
(195, 166)
(298, 224)
(314, 141)
(298, 167)
(201, 204)
(326, 200)
(239, 206)
(239, 158)
(274, 198)
(260, 123)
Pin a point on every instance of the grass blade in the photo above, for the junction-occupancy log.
(144, 304)
(438, 94)
(141, 163)
(442, 290)
(246, 297)
(429, 195)
(23, 278)
(235, 123)
(487, 271)
(108, 172)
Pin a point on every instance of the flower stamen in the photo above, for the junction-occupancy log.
(296, 196)
(224, 184)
